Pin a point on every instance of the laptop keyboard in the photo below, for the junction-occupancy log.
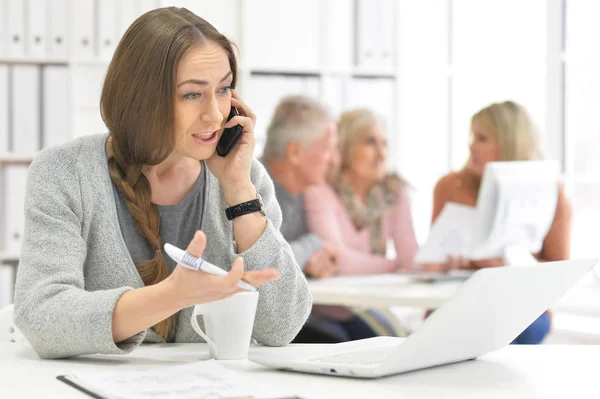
(367, 356)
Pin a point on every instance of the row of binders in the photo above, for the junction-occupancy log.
(66, 28)
(34, 107)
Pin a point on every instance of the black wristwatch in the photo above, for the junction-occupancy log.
(255, 205)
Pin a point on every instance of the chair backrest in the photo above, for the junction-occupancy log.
(8, 331)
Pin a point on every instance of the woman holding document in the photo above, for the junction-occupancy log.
(93, 277)
(502, 132)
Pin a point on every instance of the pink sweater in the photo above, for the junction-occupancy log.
(327, 217)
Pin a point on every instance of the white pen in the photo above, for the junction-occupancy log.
(194, 263)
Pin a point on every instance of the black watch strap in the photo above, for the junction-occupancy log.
(244, 208)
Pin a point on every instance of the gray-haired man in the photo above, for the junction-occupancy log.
(301, 146)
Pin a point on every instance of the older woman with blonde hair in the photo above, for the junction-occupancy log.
(363, 206)
(503, 132)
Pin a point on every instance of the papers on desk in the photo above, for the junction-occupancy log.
(362, 280)
(438, 277)
(449, 235)
(207, 379)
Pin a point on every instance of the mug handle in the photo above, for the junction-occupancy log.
(196, 327)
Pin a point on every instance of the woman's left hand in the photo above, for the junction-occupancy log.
(493, 262)
(233, 170)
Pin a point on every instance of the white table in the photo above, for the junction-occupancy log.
(381, 291)
(515, 372)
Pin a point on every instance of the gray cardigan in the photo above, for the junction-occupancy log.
(74, 263)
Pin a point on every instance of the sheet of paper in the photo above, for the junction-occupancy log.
(361, 280)
(449, 235)
(207, 379)
(432, 277)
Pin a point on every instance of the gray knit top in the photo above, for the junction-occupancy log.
(74, 263)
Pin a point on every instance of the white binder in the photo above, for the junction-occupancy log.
(88, 121)
(15, 180)
(312, 87)
(4, 108)
(386, 32)
(128, 12)
(3, 28)
(107, 28)
(84, 40)
(367, 53)
(25, 112)
(6, 285)
(36, 30)
(55, 105)
(15, 22)
(58, 39)
(339, 32)
(92, 76)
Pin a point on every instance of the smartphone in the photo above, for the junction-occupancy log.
(230, 135)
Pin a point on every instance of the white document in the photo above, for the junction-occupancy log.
(58, 36)
(56, 105)
(84, 40)
(26, 104)
(450, 234)
(292, 39)
(13, 218)
(207, 379)
(15, 19)
(4, 104)
(362, 280)
(36, 28)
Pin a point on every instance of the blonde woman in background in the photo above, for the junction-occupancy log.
(503, 132)
(362, 207)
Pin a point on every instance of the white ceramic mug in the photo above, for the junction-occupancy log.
(228, 324)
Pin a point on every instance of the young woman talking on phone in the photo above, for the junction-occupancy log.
(93, 277)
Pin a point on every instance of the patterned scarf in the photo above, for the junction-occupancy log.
(382, 197)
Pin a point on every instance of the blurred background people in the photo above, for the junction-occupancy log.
(301, 146)
(503, 132)
(360, 209)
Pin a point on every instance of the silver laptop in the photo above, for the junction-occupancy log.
(487, 313)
